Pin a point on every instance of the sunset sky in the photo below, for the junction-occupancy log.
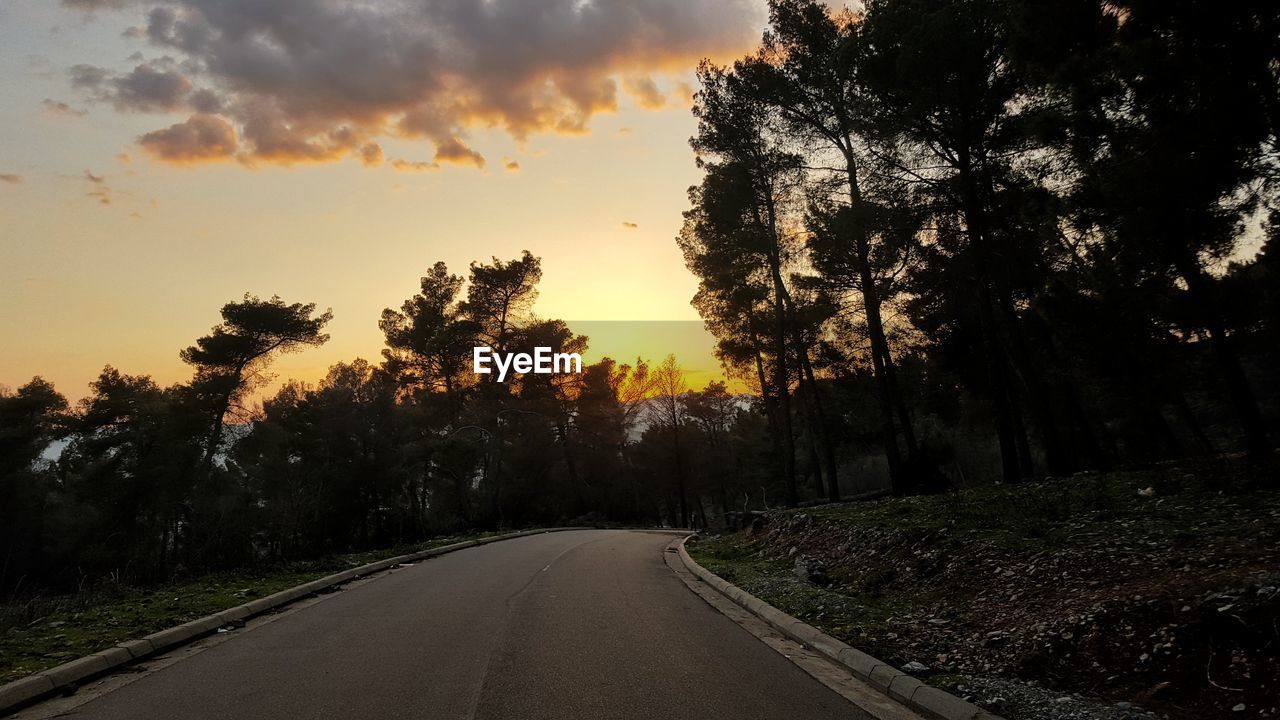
(159, 159)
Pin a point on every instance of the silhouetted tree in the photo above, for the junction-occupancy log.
(30, 419)
(231, 360)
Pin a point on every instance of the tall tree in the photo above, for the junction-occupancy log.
(428, 339)
(1173, 145)
(735, 235)
(126, 470)
(943, 100)
(808, 70)
(232, 359)
(499, 301)
(30, 419)
(500, 297)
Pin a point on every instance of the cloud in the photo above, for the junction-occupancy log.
(683, 94)
(11, 178)
(96, 4)
(318, 80)
(200, 138)
(371, 154)
(510, 165)
(412, 166)
(456, 152)
(147, 88)
(629, 225)
(98, 188)
(646, 92)
(57, 108)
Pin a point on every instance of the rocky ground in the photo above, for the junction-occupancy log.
(1146, 593)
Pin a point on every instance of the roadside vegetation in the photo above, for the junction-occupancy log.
(47, 630)
(1113, 594)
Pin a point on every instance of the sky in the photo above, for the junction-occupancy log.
(161, 158)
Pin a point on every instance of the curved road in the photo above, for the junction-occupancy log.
(567, 625)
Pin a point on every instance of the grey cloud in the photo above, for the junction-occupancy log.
(96, 4)
(206, 101)
(314, 80)
(88, 77)
(57, 107)
(149, 87)
(98, 188)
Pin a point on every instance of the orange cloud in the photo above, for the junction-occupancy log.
(371, 155)
(683, 94)
(510, 165)
(320, 85)
(456, 152)
(200, 138)
(412, 166)
(645, 92)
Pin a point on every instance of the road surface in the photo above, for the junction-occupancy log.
(568, 625)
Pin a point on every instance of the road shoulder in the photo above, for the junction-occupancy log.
(875, 687)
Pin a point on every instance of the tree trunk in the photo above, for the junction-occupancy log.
(824, 430)
(1057, 457)
(821, 426)
(1243, 401)
(680, 481)
(771, 414)
(1002, 398)
(880, 358)
(782, 378)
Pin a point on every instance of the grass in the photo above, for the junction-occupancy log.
(1074, 583)
(1049, 515)
(842, 614)
(46, 631)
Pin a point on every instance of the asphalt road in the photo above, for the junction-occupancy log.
(568, 625)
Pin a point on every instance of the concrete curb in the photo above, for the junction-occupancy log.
(909, 691)
(26, 690)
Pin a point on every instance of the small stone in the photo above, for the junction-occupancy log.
(915, 667)
(1238, 708)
